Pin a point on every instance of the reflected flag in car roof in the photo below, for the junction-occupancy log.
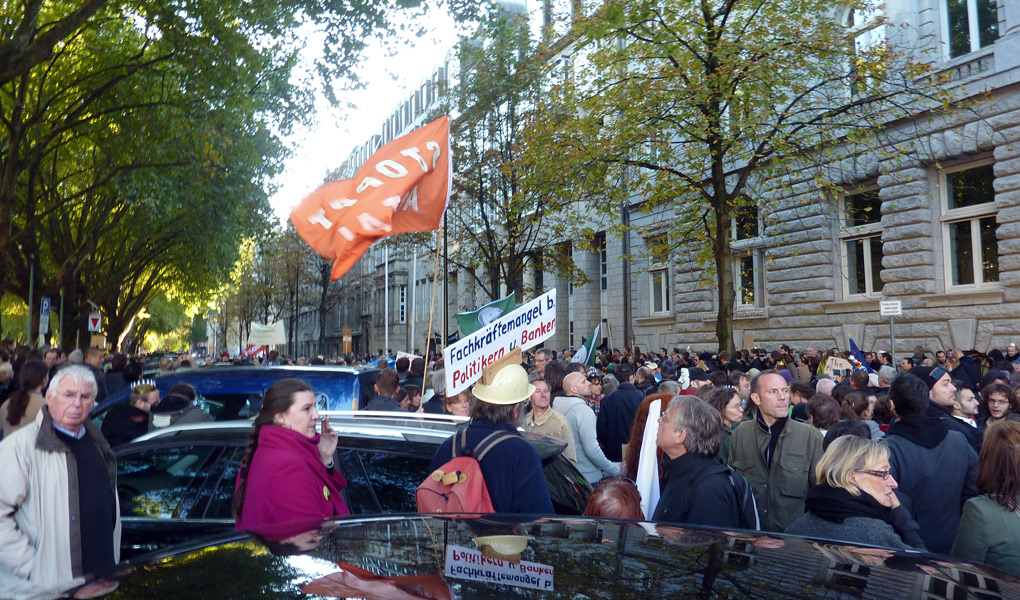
(403, 187)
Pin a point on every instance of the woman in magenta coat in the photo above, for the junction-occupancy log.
(288, 475)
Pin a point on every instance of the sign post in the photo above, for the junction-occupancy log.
(891, 309)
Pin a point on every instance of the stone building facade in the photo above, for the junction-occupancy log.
(938, 230)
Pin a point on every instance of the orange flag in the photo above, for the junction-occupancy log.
(403, 187)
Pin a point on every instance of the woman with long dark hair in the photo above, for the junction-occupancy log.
(24, 404)
(288, 473)
(990, 525)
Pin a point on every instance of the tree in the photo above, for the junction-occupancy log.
(703, 110)
(497, 226)
(107, 106)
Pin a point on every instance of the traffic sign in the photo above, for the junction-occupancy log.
(890, 308)
(95, 321)
(44, 315)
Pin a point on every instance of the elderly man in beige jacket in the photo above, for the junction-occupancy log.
(59, 514)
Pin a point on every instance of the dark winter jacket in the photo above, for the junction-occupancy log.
(836, 514)
(384, 403)
(616, 416)
(124, 423)
(512, 471)
(714, 500)
(936, 470)
(974, 435)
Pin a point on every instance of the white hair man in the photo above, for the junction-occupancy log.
(59, 515)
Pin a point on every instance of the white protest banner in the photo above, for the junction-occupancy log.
(267, 335)
(465, 563)
(522, 328)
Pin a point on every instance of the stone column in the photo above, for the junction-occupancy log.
(561, 339)
(587, 304)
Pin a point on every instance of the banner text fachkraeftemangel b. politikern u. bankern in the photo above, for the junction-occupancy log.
(523, 328)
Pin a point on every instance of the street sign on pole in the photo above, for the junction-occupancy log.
(95, 322)
(44, 315)
(890, 308)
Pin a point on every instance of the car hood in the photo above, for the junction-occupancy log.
(445, 558)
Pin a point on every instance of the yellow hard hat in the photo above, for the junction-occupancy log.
(509, 386)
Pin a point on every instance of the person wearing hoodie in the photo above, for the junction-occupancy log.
(936, 467)
(591, 461)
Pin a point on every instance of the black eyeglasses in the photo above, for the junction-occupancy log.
(882, 474)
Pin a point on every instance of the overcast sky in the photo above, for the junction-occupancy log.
(337, 131)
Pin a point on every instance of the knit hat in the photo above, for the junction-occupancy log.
(929, 375)
(786, 375)
(76, 357)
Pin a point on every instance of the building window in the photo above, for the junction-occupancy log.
(968, 227)
(403, 304)
(969, 25)
(750, 278)
(659, 291)
(867, 28)
(571, 344)
(860, 239)
(745, 222)
(603, 263)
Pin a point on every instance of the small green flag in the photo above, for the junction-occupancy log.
(586, 353)
(473, 320)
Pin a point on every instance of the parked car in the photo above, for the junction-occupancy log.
(176, 484)
(549, 558)
(229, 393)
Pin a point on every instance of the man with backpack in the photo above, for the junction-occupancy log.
(697, 488)
(510, 467)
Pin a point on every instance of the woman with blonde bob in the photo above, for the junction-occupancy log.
(855, 500)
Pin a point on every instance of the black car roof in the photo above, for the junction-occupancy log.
(438, 557)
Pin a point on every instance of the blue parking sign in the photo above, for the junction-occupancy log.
(44, 315)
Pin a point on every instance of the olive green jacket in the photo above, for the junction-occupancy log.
(780, 491)
(989, 535)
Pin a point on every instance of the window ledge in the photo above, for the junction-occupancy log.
(656, 319)
(966, 298)
(852, 306)
(739, 314)
(967, 67)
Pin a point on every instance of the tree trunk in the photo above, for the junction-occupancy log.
(724, 277)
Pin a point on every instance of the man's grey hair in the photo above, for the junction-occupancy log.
(609, 384)
(700, 420)
(547, 353)
(669, 386)
(886, 374)
(77, 373)
(439, 382)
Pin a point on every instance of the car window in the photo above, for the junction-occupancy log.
(154, 483)
(394, 477)
(229, 407)
(215, 499)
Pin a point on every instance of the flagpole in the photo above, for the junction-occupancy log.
(446, 272)
(432, 307)
(414, 300)
(386, 302)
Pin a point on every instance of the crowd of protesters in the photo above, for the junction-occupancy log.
(923, 454)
